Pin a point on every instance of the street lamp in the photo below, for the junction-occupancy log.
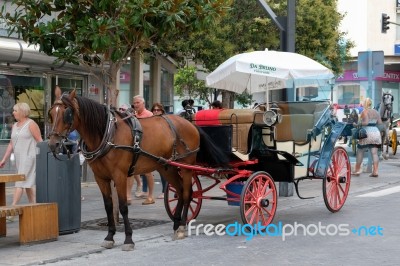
(332, 83)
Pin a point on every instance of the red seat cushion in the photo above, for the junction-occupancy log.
(207, 117)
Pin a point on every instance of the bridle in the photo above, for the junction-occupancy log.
(387, 105)
(68, 118)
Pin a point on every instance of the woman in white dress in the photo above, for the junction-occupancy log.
(24, 137)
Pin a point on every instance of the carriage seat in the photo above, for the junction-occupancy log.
(297, 119)
(294, 127)
(240, 119)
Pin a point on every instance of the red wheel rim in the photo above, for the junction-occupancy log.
(171, 200)
(259, 200)
(336, 184)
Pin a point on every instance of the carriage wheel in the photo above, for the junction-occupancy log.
(336, 183)
(393, 140)
(171, 200)
(258, 200)
(354, 146)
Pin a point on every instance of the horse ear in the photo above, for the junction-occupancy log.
(72, 94)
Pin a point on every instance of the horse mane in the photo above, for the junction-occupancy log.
(92, 114)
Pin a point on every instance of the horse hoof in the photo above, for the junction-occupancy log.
(107, 244)
(128, 247)
(180, 233)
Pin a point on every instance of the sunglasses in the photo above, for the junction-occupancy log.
(156, 110)
(122, 109)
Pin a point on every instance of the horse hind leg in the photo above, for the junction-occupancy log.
(180, 232)
(105, 189)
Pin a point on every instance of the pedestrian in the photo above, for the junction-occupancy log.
(25, 135)
(130, 179)
(369, 119)
(187, 109)
(216, 105)
(140, 111)
(158, 109)
(191, 104)
(354, 119)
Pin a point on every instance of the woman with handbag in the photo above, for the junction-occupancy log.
(22, 151)
(369, 119)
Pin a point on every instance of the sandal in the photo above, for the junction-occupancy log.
(161, 196)
(373, 175)
(148, 202)
(356, 173)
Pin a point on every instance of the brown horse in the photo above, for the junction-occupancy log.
(117, 145)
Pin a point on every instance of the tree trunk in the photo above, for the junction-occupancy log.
(111, 85)
(228, 99)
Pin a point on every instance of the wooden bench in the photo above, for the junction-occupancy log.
(37, 221)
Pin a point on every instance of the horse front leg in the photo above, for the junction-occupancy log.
(123, 208)
(105, 189)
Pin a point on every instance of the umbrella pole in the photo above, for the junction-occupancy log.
(267, 95)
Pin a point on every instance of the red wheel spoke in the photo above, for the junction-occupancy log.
(259, 190)
(334, 189)
(173, 199)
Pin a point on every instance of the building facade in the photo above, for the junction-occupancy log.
(26, 75)
(363, 24)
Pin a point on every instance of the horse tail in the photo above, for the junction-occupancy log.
(209, 153)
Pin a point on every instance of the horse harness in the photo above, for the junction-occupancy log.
(137, 133)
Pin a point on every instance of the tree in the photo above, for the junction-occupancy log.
(244, 28)
(104, 33)
(318, 35)
(187, 84)
(247, 28)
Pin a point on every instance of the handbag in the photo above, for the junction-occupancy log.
(359, 133)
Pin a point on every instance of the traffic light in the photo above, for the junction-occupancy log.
(385, 22)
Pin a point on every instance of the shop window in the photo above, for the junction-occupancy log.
(15, 89)
(348, 94)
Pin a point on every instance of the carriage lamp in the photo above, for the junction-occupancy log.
(271, 117)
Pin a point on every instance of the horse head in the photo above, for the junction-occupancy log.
(62, 119)
(387, 100)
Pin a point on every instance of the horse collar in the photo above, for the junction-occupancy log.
(106, 142)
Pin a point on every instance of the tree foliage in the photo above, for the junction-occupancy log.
(105, 32)
(186, 83)
(247, 28)
(318, 35)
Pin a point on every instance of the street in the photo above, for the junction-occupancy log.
(352, 249)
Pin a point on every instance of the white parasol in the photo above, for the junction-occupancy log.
(261, 71)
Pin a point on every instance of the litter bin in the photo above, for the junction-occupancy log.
(60, 181)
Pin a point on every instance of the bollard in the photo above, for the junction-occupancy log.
(285, 189)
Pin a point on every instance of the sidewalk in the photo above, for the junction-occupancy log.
(159, 226)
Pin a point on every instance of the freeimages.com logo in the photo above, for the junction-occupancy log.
(282, 230)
